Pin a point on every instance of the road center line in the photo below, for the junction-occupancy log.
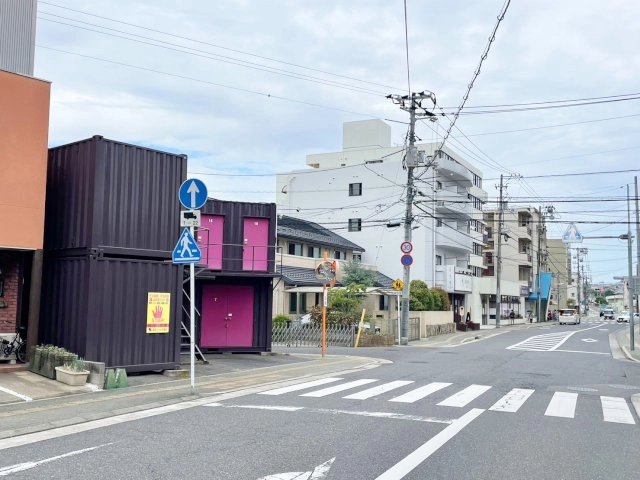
(415, 458)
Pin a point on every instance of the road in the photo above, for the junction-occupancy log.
(545, 402)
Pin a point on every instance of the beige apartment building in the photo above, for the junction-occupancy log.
(524, 254)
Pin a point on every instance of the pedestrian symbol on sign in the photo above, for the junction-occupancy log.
(186, 250)
(572, 235)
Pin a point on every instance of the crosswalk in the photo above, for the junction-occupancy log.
(561, 404)
(546, 342)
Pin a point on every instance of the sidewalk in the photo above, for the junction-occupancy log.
(32, 403)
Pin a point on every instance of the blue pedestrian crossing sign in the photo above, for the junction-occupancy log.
(187, 250)
(193, 193)
(572, 235)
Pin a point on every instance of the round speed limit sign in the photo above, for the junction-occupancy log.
(406, 247)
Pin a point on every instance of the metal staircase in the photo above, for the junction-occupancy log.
(185, 335)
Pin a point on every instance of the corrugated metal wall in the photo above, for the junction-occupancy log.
(17, 35)
(102, 193)
(234, 214)
(97, 308)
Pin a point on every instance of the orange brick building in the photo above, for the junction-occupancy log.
(24, 127)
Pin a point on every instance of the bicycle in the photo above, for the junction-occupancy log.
(17, 345)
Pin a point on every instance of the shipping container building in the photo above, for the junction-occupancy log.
(234, 280)
(112, 219)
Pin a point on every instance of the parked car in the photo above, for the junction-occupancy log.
(568, 315)
(608, 313)
(624, 317)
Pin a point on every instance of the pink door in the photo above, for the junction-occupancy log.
(210, 240)
(256, 244)
(227, 316)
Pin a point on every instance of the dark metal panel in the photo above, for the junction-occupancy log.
(65, 286)
(117, 316)
(234, 214)
(103, 193)
(97, 308)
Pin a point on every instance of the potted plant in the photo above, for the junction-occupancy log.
(73, 373)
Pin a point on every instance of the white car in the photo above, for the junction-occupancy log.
(624, 317)
(568, 315)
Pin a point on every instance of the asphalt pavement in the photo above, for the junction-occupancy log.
(30, 402)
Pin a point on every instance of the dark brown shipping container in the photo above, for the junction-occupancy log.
(96, 307)
(118, 197)
(234, 214)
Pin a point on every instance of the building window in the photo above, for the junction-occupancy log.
(438, 185)
(355, 224)
(293, 303)
(355, 189)
(338, 255)
(477, 249)
(383, 303)
(295, 249)
(357, 257)
(438, 259)
(477, 181)
(314, 252)
(438, 222)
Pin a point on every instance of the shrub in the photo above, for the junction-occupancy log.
(279, 319)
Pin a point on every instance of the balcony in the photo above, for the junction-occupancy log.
(448, 237)
(452, 170)
(524, 259)
(450, 203)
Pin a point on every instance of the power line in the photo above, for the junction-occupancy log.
(214, 45)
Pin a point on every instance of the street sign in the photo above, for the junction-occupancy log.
(187, 250)
(406, 260)
(398, 285)
(189, 218)
(406, 247)
(326, 271)
(193, 193)
(572, 235)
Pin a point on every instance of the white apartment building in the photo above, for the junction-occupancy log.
(360, 193)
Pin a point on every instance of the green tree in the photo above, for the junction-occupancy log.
(419, 296)
(344, 306)
(355, 273)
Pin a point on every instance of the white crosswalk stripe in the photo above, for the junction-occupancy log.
(616, 410)
(420, 393)
(378, 390)
(561, 404)
(464, 397)
(339, 388)
(300, 386)
(512, 401)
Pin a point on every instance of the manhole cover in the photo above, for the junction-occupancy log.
(582, 389)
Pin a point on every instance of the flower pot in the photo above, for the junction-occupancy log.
(71, 377)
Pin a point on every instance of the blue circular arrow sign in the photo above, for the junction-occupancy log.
(406, 260)
(193, 193)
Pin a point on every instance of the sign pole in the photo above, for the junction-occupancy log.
(324, 319)
(192, 326)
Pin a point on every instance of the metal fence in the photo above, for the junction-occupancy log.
(297, 335)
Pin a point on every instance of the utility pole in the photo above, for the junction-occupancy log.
(539, 262)
(630, 281)
(579, 287)
(635, 181)
(499, 258)
(410, 103)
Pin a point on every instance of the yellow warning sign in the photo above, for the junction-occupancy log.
(158, 309)
(398, 285)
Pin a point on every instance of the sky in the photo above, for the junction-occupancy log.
(247, 89)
